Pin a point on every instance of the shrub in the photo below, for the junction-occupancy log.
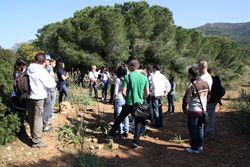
(9, 125)
(243, 112)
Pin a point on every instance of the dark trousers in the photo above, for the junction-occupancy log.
(139, 124)
(112, 89)
(170, 103)
(196, 131)
(64, 91)
(156, 104)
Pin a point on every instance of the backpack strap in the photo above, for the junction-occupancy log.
(198, 95)
(130, 83)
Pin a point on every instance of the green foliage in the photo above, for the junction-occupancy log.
(108, 35)
(84, 159)
(70, 135)
(79, 96)
(243, 112)
(9, 123)
(177, 139)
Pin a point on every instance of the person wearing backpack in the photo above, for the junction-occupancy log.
(19, 102)
(217, 92)
(40, 81)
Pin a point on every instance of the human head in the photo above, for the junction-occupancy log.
(40, 58)
(122, 71)
(61, 65)
(171, 78)
(193, 72)
(211, 71)
(47, 59)
(20, 64)
(202, 65)
(157, 67)
(149, 69)
(53, 63)
(93, 68)
(134, 65)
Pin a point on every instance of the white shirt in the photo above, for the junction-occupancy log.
(160, 84)
(105, 76)
(207, 77)
(40, 81)
(93, 75)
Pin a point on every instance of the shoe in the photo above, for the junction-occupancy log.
(47, 129)
(125, 134)
(172, 113)
(200, 148)
(39, 145)
(191, 151)
(53, 116)
(134, 145)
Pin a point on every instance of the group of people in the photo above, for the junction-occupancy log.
(38, 80)
(131, 85)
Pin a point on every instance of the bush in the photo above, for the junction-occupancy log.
(243, 112)
(9, 125)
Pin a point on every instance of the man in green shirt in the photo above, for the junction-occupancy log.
(140, 88)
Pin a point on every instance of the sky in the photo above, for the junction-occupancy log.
(20, 19)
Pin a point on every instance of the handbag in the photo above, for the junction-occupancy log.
(205, 117)
(141, 111)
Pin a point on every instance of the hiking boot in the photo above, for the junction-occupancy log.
(39, 145)
(191, 151)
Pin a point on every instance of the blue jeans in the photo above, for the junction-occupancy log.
(156, 103)
(64, 92)
(210, 127)
(170, 103)
(105, 84)
(124, 127)
(196, 131)
(53, 100)
(139, 124)
(47, 109)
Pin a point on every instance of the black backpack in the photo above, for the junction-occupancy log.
(22, 86)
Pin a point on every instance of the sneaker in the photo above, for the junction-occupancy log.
(191, 151)
(134, 145)
(200, 148)
(39, 145)
(47, 129)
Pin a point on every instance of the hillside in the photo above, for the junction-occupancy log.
(240, 32)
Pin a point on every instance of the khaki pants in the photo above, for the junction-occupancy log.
(35, 111)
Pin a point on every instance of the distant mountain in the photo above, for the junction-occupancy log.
(16, 46)
(240, 32)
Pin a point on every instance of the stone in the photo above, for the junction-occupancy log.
(94, 140)
(65, 107)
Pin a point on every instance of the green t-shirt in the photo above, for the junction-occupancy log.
(139, 83)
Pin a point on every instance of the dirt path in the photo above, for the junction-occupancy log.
(230, 148)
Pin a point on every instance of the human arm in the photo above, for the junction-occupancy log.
(185, 100)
